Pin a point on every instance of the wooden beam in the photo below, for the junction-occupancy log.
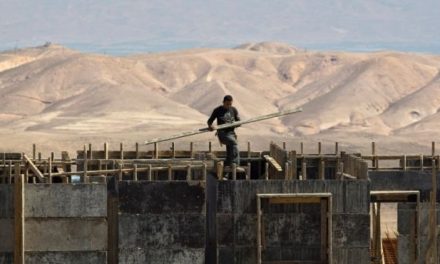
(19, 216)
(33, 168)
(294, 200)
(273, 162)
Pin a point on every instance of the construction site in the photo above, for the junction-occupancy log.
(168, 205)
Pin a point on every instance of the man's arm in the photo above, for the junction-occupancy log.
(236, 116)
(211, 119)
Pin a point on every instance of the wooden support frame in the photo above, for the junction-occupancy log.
(325, 199)
(396, 196)
(33, 168)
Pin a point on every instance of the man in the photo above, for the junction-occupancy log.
(226, 114)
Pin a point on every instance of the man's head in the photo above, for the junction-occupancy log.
(227, 101)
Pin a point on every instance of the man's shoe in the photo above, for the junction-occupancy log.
(241, 169)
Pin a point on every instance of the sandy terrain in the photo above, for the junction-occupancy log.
(61, 99)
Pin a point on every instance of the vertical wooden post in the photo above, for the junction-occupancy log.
(19, 193)
(120, 173)
(293, 169)
(404, 163)
(248, 171)
(336, 148)
(137, 150)
(377, 247)
(135, 172)
(319, 148)
(284, 145)
(173, 150)
(85, 180)
(39, 156)
(90, 151)
(34, 152)
(10, 171)
(433, 149)
(170, 172)
(156, 150)
(266, 170)
(150, 172)
(286, 171)
(259, 246)
(249, 149)
(121, 150)
(330, 229)
(106, 156)
(209, 146)
(302, 148)
(191, 149)
(373, 153)
(234, 171)
(304, 169)
(205, 171)
(322, 169)
(106, 151)
(324, 232)
(421, 162)
(434, 212)
(188, 172)
(220, 170)
(49, 180)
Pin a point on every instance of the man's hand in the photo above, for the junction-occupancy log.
(211, 128)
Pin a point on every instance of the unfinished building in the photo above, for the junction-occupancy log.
(172, 206)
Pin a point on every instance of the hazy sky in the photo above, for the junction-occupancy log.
(124, 26)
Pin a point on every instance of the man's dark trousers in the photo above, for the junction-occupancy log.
(230, 140)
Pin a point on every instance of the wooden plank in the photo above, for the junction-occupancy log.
(33, 168)
(259, 246)
(273, 162)
(19, 216)
(294, 200)
(293, 262)
(224, 126)
(330, 229)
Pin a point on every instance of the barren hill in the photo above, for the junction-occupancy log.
(53, 95)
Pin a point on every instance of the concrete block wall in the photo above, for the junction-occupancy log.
(237, 230)
(6, 223)
(405, 214)
(66, 223)
(162, 222)
(404, 180)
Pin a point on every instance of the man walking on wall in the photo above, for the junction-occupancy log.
(227, 114)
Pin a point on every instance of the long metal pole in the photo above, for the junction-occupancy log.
(235, 124)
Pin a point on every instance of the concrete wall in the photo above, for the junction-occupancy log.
(237, 230)
(162, 222)
(6, 223)
(403, 180)
(406, 213)
(183, 222)
(66, 223)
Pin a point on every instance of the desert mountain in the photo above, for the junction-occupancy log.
(54, 90)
